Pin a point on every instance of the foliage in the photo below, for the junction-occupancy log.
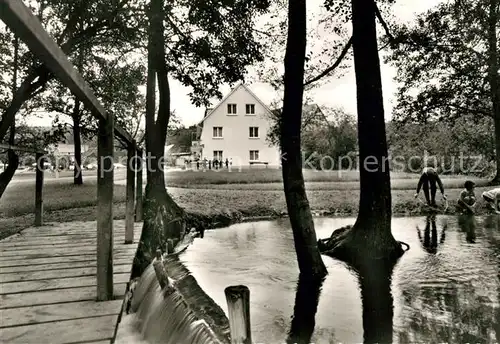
(107, 27)
(442, 63)
(327, 136)
(320, 53)
(312, 116)
(211, 42)
(116, 85)
(456, 146)
(181, 137)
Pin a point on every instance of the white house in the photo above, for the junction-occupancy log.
(237, 128)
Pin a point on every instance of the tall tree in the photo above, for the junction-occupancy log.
(308, 256)
(208, 43)
(108, 26)
(493, 24)
(371, 235)
(448, 66)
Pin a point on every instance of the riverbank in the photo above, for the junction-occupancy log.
(207, 208)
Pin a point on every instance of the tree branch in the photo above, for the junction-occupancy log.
(332, 67)
(463, 108)
(382, 21)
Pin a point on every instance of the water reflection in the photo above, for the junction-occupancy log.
(492, 229)
(467, 224)
(378, 308)
(429, 240)
(451, 296)
(304, 312)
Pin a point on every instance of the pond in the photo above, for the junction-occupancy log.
(446, 288)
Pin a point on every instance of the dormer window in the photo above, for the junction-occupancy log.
(231, 109)
(250, 109)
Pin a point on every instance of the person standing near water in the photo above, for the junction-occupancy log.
(428, 181)
(492, 198)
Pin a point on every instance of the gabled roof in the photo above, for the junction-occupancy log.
(209, 112)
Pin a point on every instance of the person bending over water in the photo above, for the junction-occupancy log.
(467, 199)
(492, 197)
(428, 181)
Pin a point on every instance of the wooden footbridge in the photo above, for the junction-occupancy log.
(64, 283)
(48, 284)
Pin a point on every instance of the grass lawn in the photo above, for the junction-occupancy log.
(248, 193)
(19, 199)
(271, 179)
(62, 202)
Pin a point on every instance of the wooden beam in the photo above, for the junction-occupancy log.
(26, 25)
(38, 189)
(105, 154)
(139, 200)
(238, 305)
(22, 149)
(130, 196)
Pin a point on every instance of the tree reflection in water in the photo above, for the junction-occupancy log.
(492, 229)
(375, 282)
(304, 312)
(374, 278)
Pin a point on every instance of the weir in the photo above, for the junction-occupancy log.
(160, 316)
(180, 311)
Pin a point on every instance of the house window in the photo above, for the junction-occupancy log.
(250, 109)
(217, 131)
(217, 155)
(231, 109)
(254, 155)
(254, 132)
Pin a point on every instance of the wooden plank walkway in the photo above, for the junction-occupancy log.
(48, 284)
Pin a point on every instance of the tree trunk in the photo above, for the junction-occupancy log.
(8, 173)
(23, 94)
(13, 158)
(77, 172)
(371, 234)
(163, 218)
(493, 79)
(308, 255)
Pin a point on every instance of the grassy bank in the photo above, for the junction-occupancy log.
(213, 203)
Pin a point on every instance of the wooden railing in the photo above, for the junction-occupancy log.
(26, 26)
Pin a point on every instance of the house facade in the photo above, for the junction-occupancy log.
(236, 129)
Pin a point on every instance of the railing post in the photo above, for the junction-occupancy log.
(238, 304)
(130, 196)
(105, 166)
(38, 189)
(138, 204)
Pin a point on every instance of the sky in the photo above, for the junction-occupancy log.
(339, 92)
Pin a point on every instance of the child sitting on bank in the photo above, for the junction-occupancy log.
(467, 199)
(492, 199)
